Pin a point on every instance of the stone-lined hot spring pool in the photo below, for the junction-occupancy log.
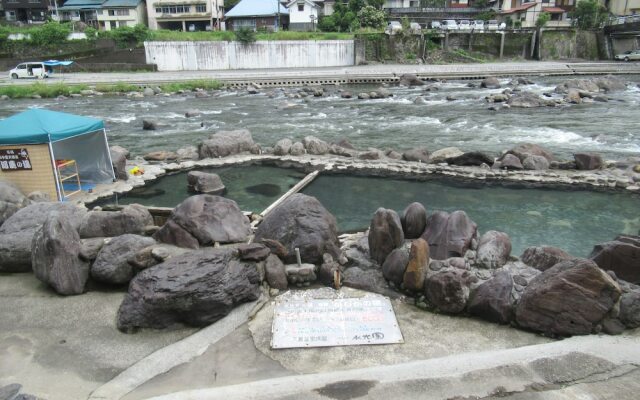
(574, 220)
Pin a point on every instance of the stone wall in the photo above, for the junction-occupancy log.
(569, 44)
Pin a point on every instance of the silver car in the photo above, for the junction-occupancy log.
(630, 55)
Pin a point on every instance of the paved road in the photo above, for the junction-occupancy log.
(350, 74)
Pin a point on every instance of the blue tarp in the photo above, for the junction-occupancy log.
(36, 126)
(55, 63)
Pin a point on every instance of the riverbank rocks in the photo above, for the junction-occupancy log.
(571, 298)
(535, 163)
(282, 147)
(302, 221)
(385, 234)
(610, 83)
(203, 220)
(395, 265)
(253, 251)
(133, 218)
(16, 233)
(196, 288)
(490, 83)
(148, 125)
(410, 80)
(226, 143)
(56, 262)
(526, 99)
(112, 263)
(315, 146)
(469, 159)
(443, 155)
(588, 161)
(205, 182)
(573, 97)
(11, 200)
(188, 153)
(297, 149)
(413, 220)
(449, 235)
(544, 257)
(525, 150)
(492, 300)
(419, 154)
(586, 85)
(510, 162)
(622, 256)
(448, 291)
(630, 309)
(416, 271)
(371, 154)
(119, 161)
(494, 249)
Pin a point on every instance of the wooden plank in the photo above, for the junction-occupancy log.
(298, 187)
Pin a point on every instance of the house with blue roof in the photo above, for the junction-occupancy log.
(269, 15)
(104, 14)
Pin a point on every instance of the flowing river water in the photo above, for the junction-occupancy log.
(573, 220)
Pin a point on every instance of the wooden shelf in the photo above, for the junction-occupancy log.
(68, 169)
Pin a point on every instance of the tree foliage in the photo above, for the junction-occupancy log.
(50, 34)
(346, 17)
(371, 17)
(588, 14)
(245, 35)
(543, 19)
(128, 36)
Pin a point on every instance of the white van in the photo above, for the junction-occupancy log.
(30, 70)
(449, 25)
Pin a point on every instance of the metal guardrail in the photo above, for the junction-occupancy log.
(407, 10)
(626, 19)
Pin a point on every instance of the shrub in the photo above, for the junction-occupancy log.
(327, 24)
(129, 36)
(542, 20)
(91, 33)
(588, 14)
(370, 17)
(50, 34)
(245, 35)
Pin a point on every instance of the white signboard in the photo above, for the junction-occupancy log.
(334, 322)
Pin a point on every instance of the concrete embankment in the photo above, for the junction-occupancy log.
(374, 74)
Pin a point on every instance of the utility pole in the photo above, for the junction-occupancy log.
(277, 15)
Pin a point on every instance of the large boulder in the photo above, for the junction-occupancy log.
(443, 155)
(587, 85)
(471, 158)
(206, 218)
(621, 256)
(630, 309)
(275, 273)
(449, 235)
(490, 83)
(282, 147)
(410, 80)
(16, 234)
(112, 263)
(196, 288)
(535, 163)
(588, 161)
(119, 160)
(571, 298)
(448, 291)
(301, 221)
(11, 200)
(526, 99)
(494, 250)
(492, 300)
(419, 154)
(511, 162)
(385, 234)
(226, 143)
(416, 270)
(56, 256)
(395, 265)
(611, 83)
(313, 145)
(524, 150)
(414, 220)
(204, 182)
(544, 257)
(133, 218)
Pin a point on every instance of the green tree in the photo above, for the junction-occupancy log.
(376, 3)
(481, 3)
(486, 15)
(371, 17)
(356, 5)
(50, 34)
(508, 22)
(327, 24)
(245, 35)
(588, 14)
(229, 4)
(129, 36)
(543, 19)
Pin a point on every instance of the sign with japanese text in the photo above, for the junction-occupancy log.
(14, 160)
(334, 322)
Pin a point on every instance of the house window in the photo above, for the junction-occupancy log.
(122, 13)
(301, 7)
(201, 8)
(34, 1)
(111, 13)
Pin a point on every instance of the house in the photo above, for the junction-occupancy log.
(80, 10)
(185, 15)
(304, 14)
(257, 14)
(117, 13)
(528, 11)
(624, 7)
(26, 11)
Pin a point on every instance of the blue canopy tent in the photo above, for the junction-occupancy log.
(71, 140)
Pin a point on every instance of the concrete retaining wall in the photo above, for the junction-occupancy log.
(194, 56)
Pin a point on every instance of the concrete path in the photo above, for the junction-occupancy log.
(355, 74)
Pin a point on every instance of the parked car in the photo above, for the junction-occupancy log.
(478, 25)
(630, 55)
(492, 25)
(464, 25)
(32, 69)
(449, 25)
(415, 28)
(436, 25)
(393, 28)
